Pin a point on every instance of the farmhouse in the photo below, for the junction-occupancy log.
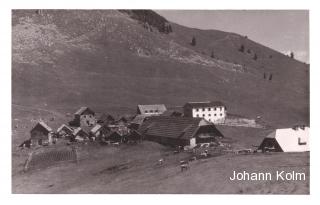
(178, 131)
(80, 135)
(287, 140)
(41, 134)
(64, 130)
(214, 111)
(99, 130)
(85, 117)
(150, 110)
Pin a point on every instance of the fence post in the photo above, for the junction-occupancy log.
(26, 165)
(74, 149)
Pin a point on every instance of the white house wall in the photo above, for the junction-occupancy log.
(212, 114)
(288, 139)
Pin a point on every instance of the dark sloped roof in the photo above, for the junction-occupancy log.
(171, 127)
(42, 124)
(210, 129)
(105, 118)
(139, 119)
(204, 104)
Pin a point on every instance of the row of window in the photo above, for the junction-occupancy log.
(203, 115)
(151, 111)
(209, 109)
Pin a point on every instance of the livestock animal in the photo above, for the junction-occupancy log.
(184, 165)
(160, 161)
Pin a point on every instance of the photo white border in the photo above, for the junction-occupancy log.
(5, 79)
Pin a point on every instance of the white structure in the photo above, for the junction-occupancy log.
(150, 110)
(287, 140)
(214, 111)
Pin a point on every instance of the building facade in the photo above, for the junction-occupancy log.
(214, 111)
(151, 110)
(178, 131)
(41, 134)
(85, 116)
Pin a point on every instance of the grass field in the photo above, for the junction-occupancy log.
(134, 169)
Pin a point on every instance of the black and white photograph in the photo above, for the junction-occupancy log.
(160, 101)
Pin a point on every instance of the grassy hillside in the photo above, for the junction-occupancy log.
(134, 170)
(111, 61)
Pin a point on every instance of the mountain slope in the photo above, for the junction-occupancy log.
(113, 60)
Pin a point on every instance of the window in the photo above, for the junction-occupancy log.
(197, 115)
(156, 111)
(203, 115)
(209, 109)
(215, 114)
(151, 111)
(221, 114)
(203, 109)
(197, 109)
(145, 111)
(215, 108)
(209, 115)
(209, 120)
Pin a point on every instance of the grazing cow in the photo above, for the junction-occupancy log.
(160, 161)
(192, 159)
(184, 165)
(204, 154)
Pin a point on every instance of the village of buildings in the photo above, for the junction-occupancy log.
(190, 129)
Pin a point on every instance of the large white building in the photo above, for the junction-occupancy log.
(287, 140)
(213, 111)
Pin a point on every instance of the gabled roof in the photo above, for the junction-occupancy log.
(171, 127)
(139, 119)
(82, 110)
(204, 104)
(64, 126)
(96, 128)
(44, 125)
(105, 118)
(156, 108)
(78, 130)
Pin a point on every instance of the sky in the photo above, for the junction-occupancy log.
(282, 30)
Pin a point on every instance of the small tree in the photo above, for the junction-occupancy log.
(241, 49)
(291, 55)
(255, 57)
(193, 41)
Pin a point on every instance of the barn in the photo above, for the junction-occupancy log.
(41, 134)
(179, 131)
(287, 140)
(80, 135)
(99, 130)
(64, 130)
